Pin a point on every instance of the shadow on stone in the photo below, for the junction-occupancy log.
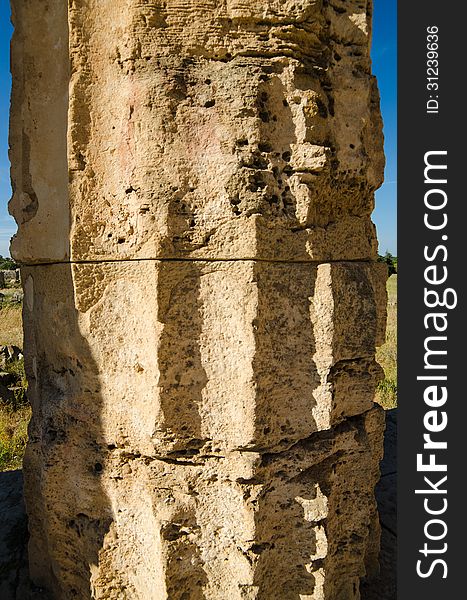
(384, 587)
(14, 570)
(68, 509)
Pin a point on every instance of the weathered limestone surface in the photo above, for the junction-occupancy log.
(193, 183)
(14, 571)
(236, 129)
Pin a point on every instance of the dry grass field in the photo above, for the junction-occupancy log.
(11, 327)
(386, 393)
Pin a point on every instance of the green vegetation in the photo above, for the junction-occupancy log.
(7, 264)
(386, 394)
(391, 262)
(16, 370)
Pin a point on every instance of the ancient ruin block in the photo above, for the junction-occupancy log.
(247, 131)
(292, 524)
(193, 184)
(205, 355)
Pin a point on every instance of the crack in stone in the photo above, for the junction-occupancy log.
(196, 260)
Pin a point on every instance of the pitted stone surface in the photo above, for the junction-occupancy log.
(244, 354)
(239, 525)
(193, 183)
(202, 129)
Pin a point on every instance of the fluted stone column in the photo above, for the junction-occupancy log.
(193, 183)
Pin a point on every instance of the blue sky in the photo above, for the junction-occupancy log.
(384, 55)
(7, 224)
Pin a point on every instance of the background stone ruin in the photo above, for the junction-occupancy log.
(193, 183)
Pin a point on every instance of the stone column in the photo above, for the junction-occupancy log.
(193, 183)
